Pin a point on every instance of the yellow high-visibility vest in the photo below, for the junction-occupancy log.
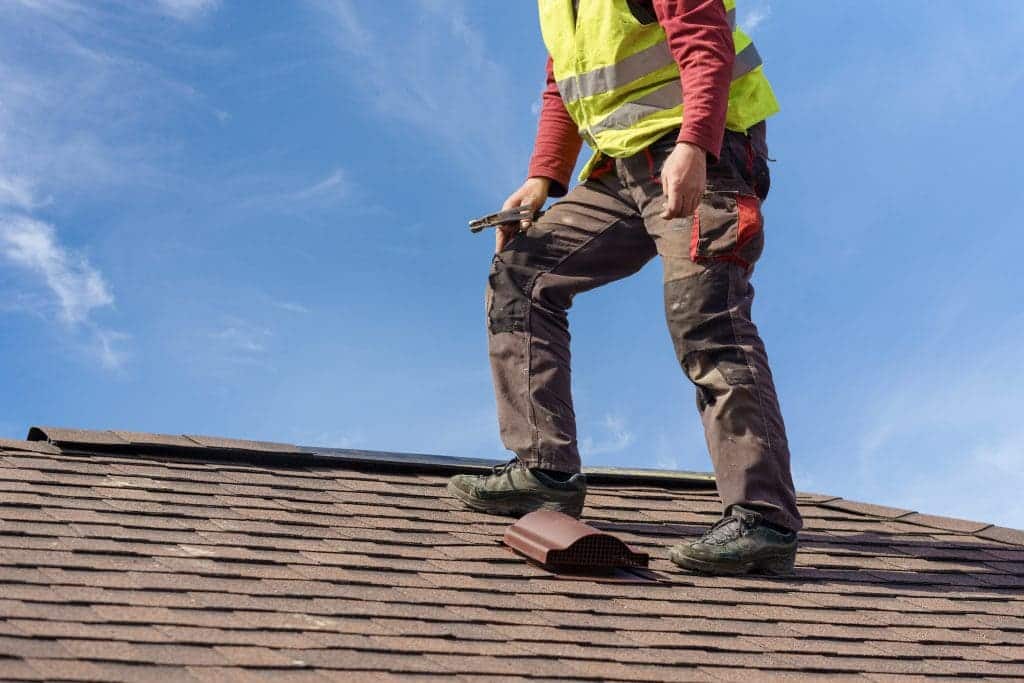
(620, 82)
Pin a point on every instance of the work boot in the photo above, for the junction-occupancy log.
(742, 542)
(514, 489)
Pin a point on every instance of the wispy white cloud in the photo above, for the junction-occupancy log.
(334, 186)
(616, 437)
(243, 337)
(187, 10)
(79, 106)
(75, 104)
(467, 111)
(241, 341)
(76, 288)
(963, 69)
(667, 461)
(943, 435)
(16, 192)
(981, 481)
(287, 194)
(108, 347)
(753, 14)
(681, 448)
(57, 148)
(292, 307)
(269, 301)
(356, 38)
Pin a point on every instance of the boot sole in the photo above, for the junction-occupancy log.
(517, 507)
(780, 565)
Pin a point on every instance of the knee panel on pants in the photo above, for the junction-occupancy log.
(700, 312)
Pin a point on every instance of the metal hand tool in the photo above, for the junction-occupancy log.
(515, 215)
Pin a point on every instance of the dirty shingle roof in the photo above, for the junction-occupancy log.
(134, 557)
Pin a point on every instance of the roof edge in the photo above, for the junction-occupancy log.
(272, 453)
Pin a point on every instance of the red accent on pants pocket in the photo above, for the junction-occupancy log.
(749, 224)
(695, 235)
(750, 220)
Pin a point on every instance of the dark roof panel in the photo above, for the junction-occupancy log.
(243, 445)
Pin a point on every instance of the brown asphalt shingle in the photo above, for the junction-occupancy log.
(127, 556)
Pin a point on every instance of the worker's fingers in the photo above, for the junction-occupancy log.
(503, 234)
(524, 196)
(501, 238)
(533, 203)
(515, 199)
(673, 207)
(680, 201)
(690, 203)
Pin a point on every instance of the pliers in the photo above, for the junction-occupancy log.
(519, 213)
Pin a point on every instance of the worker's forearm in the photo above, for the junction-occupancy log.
(700, 39)
(558, 141)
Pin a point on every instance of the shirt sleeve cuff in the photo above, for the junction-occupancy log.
(558, 176)
(708, 142)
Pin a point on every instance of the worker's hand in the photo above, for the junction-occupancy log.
(683, 177)
(532, 193)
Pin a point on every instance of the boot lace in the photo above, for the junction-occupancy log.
(505, 466)
(729, 529)
(505, 469)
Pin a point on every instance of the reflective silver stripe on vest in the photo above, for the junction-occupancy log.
(666, 97)
(747, 60)
(731, 14)
(607, 78)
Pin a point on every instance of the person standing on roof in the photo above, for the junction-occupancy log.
(681, 181)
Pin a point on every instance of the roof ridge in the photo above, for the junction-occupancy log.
(125, 442)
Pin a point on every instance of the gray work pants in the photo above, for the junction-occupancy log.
(606, 229)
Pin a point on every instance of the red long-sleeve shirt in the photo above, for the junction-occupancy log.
(700, 39)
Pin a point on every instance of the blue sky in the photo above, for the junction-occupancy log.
(248, 219)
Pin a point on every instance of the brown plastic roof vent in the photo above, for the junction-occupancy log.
(558, 540)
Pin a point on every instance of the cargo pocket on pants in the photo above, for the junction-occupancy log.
(727, 226)
(506, 301)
